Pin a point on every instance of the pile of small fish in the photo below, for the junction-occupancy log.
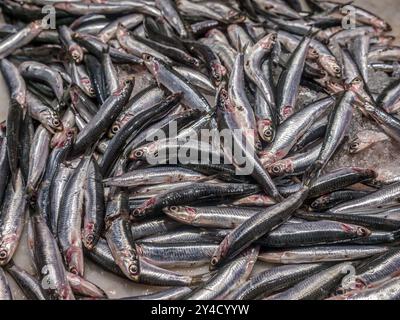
(76, 160)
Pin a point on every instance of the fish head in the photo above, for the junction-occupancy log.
(268, 42)
(266, 130)
(7, 249)
(76, 53)
(321, 202)
(181, 213)
(218, 72)
(151, 63)
(87, 84)
(128, 262)
(356, 230)
(312, 54)
(52, 121)
(138, 154)
(356, 146)
(143, 209)
(280, 168)
(330, 65)
(233, 16)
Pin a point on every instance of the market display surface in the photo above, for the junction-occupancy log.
(169, 150)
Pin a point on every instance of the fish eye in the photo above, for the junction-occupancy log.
(136, 212)
(336, 69)
(138, 153)
(362, 232)
(214, 261)
(133, 269)
(268, 133)
(276, 169)
(147, 57)
(114, 129)
(56, 123)
(354, 145)
(173, 208)
(89, 238)
(91, 91)
(3, 254)
(73, 270)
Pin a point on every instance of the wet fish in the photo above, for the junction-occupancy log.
(275, 279)
(321, 254)
(255, 227)
(48, 261)
(220, 285)
(318, 286)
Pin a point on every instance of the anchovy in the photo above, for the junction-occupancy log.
(133, 127)
(220, 285)
(103, 119)
(158, 175)
(290, 79)
(4, 163)
(73, 49)
(96, 47)
(93, 220)
(70, 218)
(376, 199)
(133, 45)
(85, 288)
(256, 226)
(110, 30)
(43, 113)
(387, 290)
(295, 164)
(210, 10)
(174, 293)
(312, 233)
(195, 191)
(389, 99)
(5, 290)
(254, 70)
(366, 139)
(210, 217)
(38, 71)
(152, 227)
(176, 83)
(60, 180)
(230, 117)
(338, 125)
(38, 158)
(318, 286)
(12, 220)
(20, 39)
(321, 254)
(28, 284)
(196, 78)
(14, 120)
(275, 279)
(328, 201)
(175, 255)
(292, 129)
(213, 63)
(14, 81)
(110, 73)
(48, 261)
(186, 235)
